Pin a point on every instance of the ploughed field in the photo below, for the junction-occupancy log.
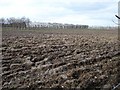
(60, 59)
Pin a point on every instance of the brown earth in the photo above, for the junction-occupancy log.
(83, 59)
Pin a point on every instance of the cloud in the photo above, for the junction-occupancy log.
(92, 12)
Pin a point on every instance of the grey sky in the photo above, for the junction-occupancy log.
(91, 12)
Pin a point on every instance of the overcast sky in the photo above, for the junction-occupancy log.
(90, 12)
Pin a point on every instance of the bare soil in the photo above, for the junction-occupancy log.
(83, 59)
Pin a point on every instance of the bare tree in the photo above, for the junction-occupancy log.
(2, 22)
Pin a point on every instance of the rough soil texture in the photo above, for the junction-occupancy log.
(84, 59)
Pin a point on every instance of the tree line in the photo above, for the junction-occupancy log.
(26, 23)
(17, 23)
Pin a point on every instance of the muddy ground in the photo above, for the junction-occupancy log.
(83, 59)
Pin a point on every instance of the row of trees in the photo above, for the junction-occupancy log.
(23, 23)
(19, 23)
